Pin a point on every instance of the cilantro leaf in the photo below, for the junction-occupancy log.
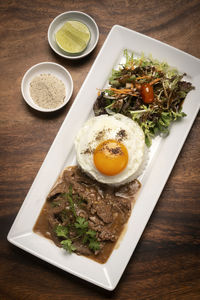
(91, 233)
(68, 246)
(61, 231)
(81, 223)
(94, 245)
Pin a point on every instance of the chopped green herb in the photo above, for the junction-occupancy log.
(91, 233)
(81, 224)
(94, 245)
(67, 245)
(61, 231)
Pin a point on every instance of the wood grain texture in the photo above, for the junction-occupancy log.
(166, 262)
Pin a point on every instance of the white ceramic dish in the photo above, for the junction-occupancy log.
(59, 21)
(46, 68)
(163, 155)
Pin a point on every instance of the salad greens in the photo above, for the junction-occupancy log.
(146, 90)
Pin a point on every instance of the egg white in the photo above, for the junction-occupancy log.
(104, 127)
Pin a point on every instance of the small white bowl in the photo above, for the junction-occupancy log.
(60, 20)
(46, 68)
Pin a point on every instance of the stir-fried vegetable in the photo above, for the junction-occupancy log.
(146, 90)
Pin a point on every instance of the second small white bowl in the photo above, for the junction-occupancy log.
(60, 20)
(46, 68)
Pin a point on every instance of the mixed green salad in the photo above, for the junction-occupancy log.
(146, 90)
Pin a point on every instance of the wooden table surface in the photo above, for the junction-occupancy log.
(166, 262)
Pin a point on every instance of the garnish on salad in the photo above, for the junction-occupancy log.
(146, 90)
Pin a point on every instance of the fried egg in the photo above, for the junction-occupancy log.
(111, 149)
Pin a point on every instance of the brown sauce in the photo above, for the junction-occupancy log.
(105, 209)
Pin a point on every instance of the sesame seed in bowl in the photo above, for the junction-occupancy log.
(47, 86)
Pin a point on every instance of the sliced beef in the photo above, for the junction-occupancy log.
(81, 248)
(107, 235)
(104, 208)
(58, 189)
(104, 211)
(52, 224)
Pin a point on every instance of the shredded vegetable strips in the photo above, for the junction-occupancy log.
(146, 90)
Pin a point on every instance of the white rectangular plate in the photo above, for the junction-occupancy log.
(163, 155)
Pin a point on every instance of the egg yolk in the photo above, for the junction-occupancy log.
(110, 157)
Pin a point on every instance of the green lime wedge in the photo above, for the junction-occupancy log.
(73, 37)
